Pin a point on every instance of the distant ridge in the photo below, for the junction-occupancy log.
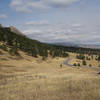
(90, 46)
(70, 44)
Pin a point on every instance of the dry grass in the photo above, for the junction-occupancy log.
(32, 79)
(93, 62)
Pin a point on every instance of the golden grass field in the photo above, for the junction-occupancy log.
(93, 62)
(28, 78)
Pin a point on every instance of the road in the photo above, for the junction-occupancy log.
(66, 62)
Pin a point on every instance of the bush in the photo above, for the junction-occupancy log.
(81, 57)
(74, 64)
(4, 47)
(87, 58)
(99, 66)
(60, 65)
(78, 64)
(98, 58)
(90, 65)
(84, 62)
(13, 51)
(44, 57)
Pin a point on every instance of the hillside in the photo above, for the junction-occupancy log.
(15, 30)
(13, 41)
(30, 78)
(32, 47)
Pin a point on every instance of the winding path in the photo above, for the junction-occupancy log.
(66, 62)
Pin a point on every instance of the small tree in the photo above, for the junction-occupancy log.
(78, 64)
(44, 57)
(87, 58)
(4, 47)
(60, 65)
(84, 62)
(99, 66)
(81, 57)
(74, 64)
(14, 51)
(90, 65)
(98, 58)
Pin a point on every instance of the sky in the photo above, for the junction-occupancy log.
(75, 21)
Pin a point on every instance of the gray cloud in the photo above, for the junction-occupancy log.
(30, 5)
(63, 32)
(36, 23)
(3, 16)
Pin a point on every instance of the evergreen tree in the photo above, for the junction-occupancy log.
(84, 62)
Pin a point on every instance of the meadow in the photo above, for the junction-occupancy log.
(28, 78)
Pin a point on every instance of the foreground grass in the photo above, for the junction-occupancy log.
(31, 79)
(42, 87)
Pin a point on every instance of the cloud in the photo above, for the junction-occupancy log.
(3, 16)
(36, 23)
(32, 5)
(62, 32)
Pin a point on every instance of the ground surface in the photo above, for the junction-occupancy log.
(92, 61)
(28, 78)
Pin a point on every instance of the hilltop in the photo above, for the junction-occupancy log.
(15, 30)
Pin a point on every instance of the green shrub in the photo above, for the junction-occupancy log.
(98, 58)
(78, 64)
(90, 65)
(84, 62)
(99, 66)
(4, 47)
(74, 64)
(44, 57)
(81, 57)
(13, 51)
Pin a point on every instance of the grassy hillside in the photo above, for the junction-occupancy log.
(29, 78)
(32, 47)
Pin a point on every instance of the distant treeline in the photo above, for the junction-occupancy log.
(33, 47)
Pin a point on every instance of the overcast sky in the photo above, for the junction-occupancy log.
(76, 21)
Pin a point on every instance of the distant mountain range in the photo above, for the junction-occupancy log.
(90, 46)
(70, 44)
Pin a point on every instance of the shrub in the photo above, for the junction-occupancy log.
(87, 58)
(81, 57)
(99, 66)
(44, 57)
(13, 51)
(78, 64)
(98, 58)
(90, 65)
(4, 47)
(60, 65)
(74, 64)
(84, 62)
